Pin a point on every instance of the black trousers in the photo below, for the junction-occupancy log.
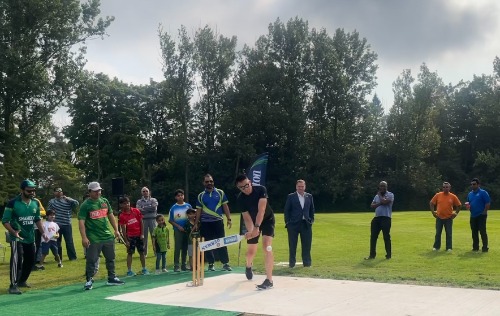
(304, 229)
(380, 223)
(213, 230)
(22, 259)
(478, 225)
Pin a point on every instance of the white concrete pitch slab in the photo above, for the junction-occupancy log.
(304, 296)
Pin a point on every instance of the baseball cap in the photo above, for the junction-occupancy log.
(27, 184)
(58, 190)
(94, 186)
(190, 210)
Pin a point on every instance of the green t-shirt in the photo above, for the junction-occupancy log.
(97, 225)
(21, 216)
(161, 236)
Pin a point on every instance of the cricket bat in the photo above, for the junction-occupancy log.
(220, 242)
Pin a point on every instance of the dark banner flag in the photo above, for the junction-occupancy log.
(257, 171)
(257, 174)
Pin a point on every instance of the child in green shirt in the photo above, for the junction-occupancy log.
(161, 242)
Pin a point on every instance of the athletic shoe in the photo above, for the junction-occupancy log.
(88, 285)
(388, 257)
(145, 272)
(13, 289)
(449, 250)
(435, 249)
(369, 258)
(249, 273)
(183, 267)
(211, 267)
(227, 267)
(114, 281)
(131, 273)
(265, 285)
(164, 270)
(59, 265)
(485, 249)
(176, 269)
(24, 284)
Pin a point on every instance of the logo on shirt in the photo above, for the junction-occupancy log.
(132, 221)
(99, 213)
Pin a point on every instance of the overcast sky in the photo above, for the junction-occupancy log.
(456, 38)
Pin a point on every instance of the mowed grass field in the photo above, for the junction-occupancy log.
(340, 242)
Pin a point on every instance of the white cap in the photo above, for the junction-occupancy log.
(94, 186)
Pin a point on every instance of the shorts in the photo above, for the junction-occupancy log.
(52, 245)
(135, 242)
(266, 228)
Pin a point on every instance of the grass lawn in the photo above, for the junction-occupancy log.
(340, 241)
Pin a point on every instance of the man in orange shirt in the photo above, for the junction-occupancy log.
(444, 206)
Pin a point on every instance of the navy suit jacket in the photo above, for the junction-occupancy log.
(295, 213)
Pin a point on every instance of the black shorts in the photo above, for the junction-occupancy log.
(135, 242)
(266, 228)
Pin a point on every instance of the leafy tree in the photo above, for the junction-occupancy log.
(38, 66)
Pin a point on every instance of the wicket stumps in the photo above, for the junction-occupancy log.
(198, 262)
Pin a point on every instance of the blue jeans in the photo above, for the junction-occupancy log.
(163, 257)
(448, 227)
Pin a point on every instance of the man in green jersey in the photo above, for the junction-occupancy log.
(94, 218)
(19, 216)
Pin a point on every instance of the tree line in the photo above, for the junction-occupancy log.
(305, 96)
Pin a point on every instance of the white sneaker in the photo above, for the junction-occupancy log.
(449, 250)
(164, 270)
(158, 271)
(434, 249)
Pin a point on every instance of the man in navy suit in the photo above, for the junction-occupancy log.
(299, 217)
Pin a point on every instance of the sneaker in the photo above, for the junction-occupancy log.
(145, 271)
(131, 273)
(485, 249)
(211, 267)
(114, 281)
(183, 267)
(13, 289)
(59, 265)
(164, 270)
(227, 267)
(24, 284)
(369, 258)
(265, 285)
(158, 271)
(88, 285)
(435, 249)
(249, 273)
(176, 269)
(449, 250)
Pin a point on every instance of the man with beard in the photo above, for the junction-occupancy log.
(382, 203)
(19, 216)
(210, 207)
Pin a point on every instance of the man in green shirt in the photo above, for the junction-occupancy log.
(94, 218)
(19, 216)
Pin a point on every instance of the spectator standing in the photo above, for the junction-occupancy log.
(94, 219)
(178, 218)
(18, 218)
(63, 206)
(479, 204)
(148, 207)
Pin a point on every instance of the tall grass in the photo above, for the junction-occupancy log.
(340, 242)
